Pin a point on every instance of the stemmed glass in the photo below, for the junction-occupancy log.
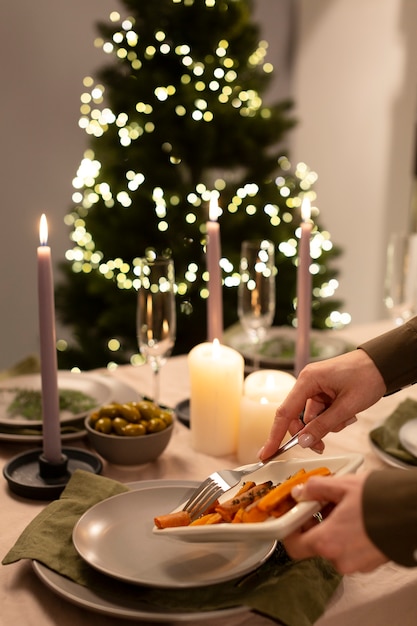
(156, 315)
(401, 277)
(256, 293)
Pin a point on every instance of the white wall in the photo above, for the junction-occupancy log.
(46, 50)
(355, 87)
(357, 127)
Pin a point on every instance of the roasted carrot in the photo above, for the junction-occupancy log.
(245, 487)
(283, 507)
(210, 518)
(250, 514)
(271, 500)
(229, 508)
(178, 518)
(252, 503)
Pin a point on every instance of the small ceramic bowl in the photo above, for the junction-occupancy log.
(123, 450)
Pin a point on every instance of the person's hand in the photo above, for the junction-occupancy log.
(341, 537)
(330, 393)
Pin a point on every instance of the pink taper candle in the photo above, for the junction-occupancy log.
(49, 369)
(304, 290)
(215, 300)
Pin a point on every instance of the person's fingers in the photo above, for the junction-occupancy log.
(322, 489)
(301, 544)
(332, 419)
(348, 422)
(282, 423)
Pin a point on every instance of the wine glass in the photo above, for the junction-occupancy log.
(256, 293)
(156, 315)
(401, 277)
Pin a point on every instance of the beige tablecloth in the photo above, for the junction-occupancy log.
(382, 598)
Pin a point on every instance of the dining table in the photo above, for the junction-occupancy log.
(383, 597)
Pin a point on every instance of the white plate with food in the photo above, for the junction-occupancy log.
(115, 537)
(278, 347)
(21, 398)
(271, 527)
(72, 429)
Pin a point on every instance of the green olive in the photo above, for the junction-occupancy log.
(110, 410)
(129, 412)
(134, 430)
(165, 415)
(131, 419)
(94, 417)
(118, 424)
(156, 424)
(103, 425)
(147, 409)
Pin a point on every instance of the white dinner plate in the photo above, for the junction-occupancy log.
(115, 537)
(408, 436)
(278, 347)
(97, 389)
(118, 391)
(274, 528)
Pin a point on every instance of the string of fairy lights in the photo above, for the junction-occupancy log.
(220, 77)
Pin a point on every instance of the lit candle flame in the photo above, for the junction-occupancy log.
(216, 349)
(43, 230)
(214, 207)
(306, 209)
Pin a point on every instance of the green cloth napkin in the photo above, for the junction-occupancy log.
(28, 365)
(289, 592)
(386, 435)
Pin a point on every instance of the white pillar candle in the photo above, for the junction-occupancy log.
(271, 384)
(304, 292)
(263, 392)
(49, 368)
(213, 253)
(216, 383)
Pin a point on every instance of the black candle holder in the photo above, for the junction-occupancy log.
(31, 475)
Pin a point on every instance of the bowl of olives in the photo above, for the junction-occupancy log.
(131, 433)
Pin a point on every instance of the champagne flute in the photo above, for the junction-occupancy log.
(156, 315)
(256, 293)
(401, 277)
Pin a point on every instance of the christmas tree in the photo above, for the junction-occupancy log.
(176, 113)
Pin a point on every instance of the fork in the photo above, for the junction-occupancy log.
(221, 481)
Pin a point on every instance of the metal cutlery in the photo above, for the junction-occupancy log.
(221, 481)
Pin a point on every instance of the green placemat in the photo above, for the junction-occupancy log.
(290, 592)
(386, 435)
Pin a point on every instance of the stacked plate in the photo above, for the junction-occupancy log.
(20, 404)
(117, 538)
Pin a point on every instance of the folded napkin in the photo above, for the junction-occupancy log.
(386, 435)
(28, 365)
(292, 593)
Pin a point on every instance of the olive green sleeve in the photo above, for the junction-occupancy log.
(395, 355)
(390, 513)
